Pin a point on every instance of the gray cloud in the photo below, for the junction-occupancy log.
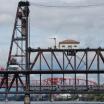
(83, 24)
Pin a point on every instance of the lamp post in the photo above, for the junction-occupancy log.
(54, 42)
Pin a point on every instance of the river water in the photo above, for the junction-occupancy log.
(58, 102)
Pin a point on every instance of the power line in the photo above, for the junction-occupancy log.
(66, 6)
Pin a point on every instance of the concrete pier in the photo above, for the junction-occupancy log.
(27, 99)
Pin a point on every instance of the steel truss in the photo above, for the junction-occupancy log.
(54, 62)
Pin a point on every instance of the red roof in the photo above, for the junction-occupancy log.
(69, 42)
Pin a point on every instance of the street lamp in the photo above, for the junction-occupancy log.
(54, 42)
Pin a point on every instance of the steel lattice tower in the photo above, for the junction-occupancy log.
(18, 58)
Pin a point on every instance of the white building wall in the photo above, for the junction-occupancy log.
(68, 46)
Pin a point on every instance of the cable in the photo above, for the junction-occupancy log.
(66, 6)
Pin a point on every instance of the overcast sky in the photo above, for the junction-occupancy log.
(83, 24)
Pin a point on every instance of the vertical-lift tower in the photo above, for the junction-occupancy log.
(18, 58)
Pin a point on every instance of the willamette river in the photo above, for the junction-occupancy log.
(53, 102)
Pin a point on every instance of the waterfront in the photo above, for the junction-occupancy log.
(58, 102)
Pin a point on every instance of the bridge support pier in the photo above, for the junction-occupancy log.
(27, 99)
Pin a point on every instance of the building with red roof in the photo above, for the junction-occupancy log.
(68, 44)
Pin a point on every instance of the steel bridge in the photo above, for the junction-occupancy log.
(24, 61)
